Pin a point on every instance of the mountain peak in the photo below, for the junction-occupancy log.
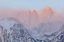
(34, 12)
(28, 11)
(48, 10)
(10, 19)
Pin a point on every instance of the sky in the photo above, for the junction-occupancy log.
(31, 4)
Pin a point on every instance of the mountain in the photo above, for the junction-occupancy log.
(32, 26)
(48, 14)
(31, 17)
(56, 36)
(49, 28)
(12, 30)
(34, 18)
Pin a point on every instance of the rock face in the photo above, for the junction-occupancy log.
(17, 32)
(12, 30)
(57, 36)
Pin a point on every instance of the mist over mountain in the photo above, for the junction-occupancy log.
(31, 25)
(31, 17)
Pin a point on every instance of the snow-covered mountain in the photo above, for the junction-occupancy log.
(12, 30)
(31, 26)
(46, 28)
(55, 36)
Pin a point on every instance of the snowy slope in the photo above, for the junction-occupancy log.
(45, 28)
(7, 23)
(12, 30)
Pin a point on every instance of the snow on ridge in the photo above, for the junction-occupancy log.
(8, 22)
